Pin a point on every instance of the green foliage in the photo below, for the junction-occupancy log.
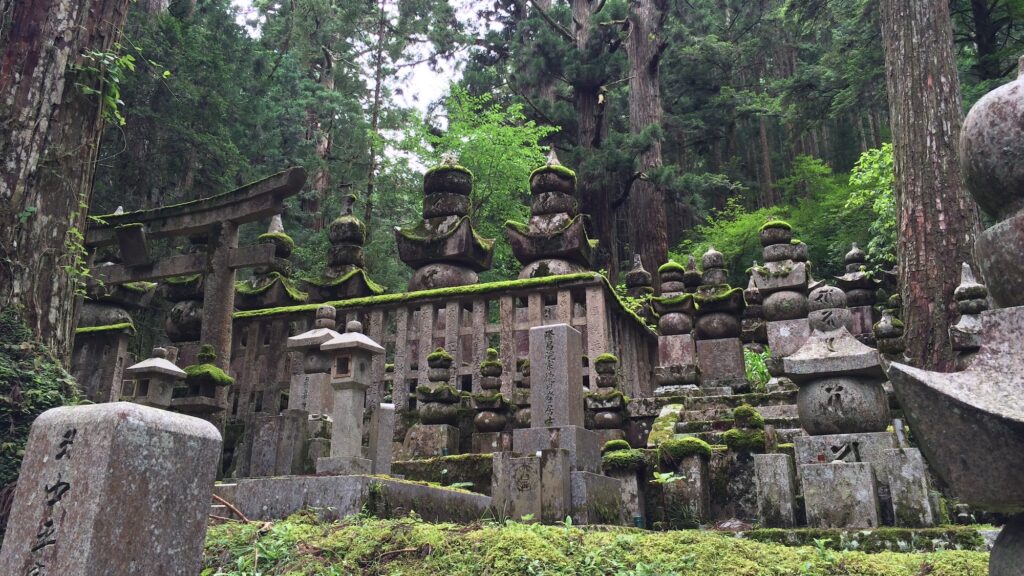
(31, 382)
(756, 368)
(871, 180)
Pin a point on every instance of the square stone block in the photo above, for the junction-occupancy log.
(907, 476)
(556, 489)
(687, 501)
(277, 444)
(776, 490)
(344, 465)
(596, 499)
(516, 486)
(489, 442)
(787, 336)
(633, 501)
(584, 445)
(840, 495)
(721, 363)
(556, 376)
(429, 440)
(676, 350)
(113, 488)
(864, 447)
(311, 392)
(782, 275)
(382, 433)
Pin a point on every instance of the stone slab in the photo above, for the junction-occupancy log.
(515, 486)
(840, 495)
(633, 501)
(865, 447)
(311, 392)
(596, 499)
(721, 363)
(382, 433)
(344, 465)
(584, 445)
(781, 275)
(113, 488)
(776, 490)
(428, 440)
(335, 497)
(907, 475)
(676, 350)
(687, 501)
(556, 376)
(787, 336)
(277, 444)
(556, 489)
(490, 442)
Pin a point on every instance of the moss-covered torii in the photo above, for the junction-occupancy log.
(218, 218)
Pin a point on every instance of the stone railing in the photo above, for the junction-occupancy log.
(464, 320)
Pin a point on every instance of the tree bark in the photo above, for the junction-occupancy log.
(937, 219)
(648, 229)
(48, 156)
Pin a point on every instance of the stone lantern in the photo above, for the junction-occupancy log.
(351, 354)
(310, 390)
(154, 380)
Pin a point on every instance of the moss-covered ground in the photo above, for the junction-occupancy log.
(301, 545)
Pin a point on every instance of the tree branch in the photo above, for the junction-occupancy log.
(621, 199)
(551, 22)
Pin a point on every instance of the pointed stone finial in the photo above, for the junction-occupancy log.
(354, 326)
(971, 296)
(638, 276)
(276, 225)
(325, 317)
(553, 158)
(450, 158)
(348, 202)
(120, 210)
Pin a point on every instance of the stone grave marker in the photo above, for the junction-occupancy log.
(556, 390)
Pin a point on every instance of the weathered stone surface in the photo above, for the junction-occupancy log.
(633, 498)
(777, 276)
(840, 495)
(676, 350)
(89, 470)
(441, 275)
(488, 442)
(584, 445)
(596, 499)
(1008, 551)
(426, 440)
(516, 487)
(970, 424)
(344, 465)
(870, 448)
(835, 353)
(687, 501)
(787, 336)
(837, 405)
(907, 476)
(556, 388)
(382, 433)
(556, 488)
(776, 490)
(785, 305)
(277, 444)
(335, 497)
(721, 363)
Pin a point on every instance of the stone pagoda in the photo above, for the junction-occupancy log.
(554, 241)
(270, 287)
(718, 307)
(443, 248)
(677, 357)
(783, 281)
(860, 288)
(344, 276)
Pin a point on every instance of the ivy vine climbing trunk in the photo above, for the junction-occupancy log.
(937, 219)
(51, 130)
(648, 229)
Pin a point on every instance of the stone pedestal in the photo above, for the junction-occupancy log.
(776, 490)
(515, 486)
(556, 381)
(556, 488)
(428, 440)
(347, 431)
(311, 392)
(907, 475)
(277, 444)
(721, 363)
(596, 499)
(869, 447)
(840, 495)
(382, 434)
(584, 446)
(633, 502)
(489, 442)
(687, 501)
(113, 488)
(787, 336)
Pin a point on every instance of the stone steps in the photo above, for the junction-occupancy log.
(778, 411)
(695, 426)
(713, 437)
(650, 407)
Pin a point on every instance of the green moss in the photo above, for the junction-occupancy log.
(138, 286)
(419, 233)
(281, 237)
(673, 300)
(746, 416)
(524, 229)
(557, 169)
(739, 440)
(876, 540)
(675, 449)
(720, 294)
(664, 426)
(246, 288)
(671, 266)
(796, 242)
(447, 470)
(628, 459)
(517, 226)
(444, 393)
(606, 357)
(613, 445)
(439, 354)
(495, 397)
(777, 224)
(327, 282)
(491, 359)
(606, 396)
(182, 279)
(450, 168)
(207, 374)
(207, 353)
(108, 328)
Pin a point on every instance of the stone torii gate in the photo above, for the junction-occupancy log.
(217, 218)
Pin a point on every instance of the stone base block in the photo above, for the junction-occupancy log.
(584, 446)
(840, 495)
(596, 499)
(907, 476)
(721, 363)
(427, 440)
(687, 501)
(862, 320)
(606, 436)
(776, 490)
(787, 336)
(277, 444)
(633, 498)
(676, 350)
(867, 447)
(515, 486)
(555, 485)
(489, 442)
(316, 449)
(344, 465)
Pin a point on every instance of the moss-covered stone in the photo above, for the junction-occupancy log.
(123, 326)
(744, 440)
(245, 287)
(613, 445)
(458, 469)
(746, 416)
(606, 358)
(675, 449)
(628, 459)
(207, 374)
(664, 426)
(777, 224)
(671, 266)
(275, 238)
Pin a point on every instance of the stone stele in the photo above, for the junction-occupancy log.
(113, 488)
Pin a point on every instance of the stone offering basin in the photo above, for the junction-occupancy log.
(970, 424)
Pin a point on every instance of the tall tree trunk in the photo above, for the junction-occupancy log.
(767, 196)
(378, 85)
(986, 41)
(48, 155)
(937, 219)
(648, 230)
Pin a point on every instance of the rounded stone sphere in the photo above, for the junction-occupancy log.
(712, 259)
(675, 323)
(785, 305)
(490, 421)
(449, 179)
(830, 319)
(607, 420)
(354, 326)
(717, 325)
(991, 155)
(775, 235)
(441, 275)
(521, 418)
(842, 405)
(347, 230)
(826, 297)
(438, 413)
